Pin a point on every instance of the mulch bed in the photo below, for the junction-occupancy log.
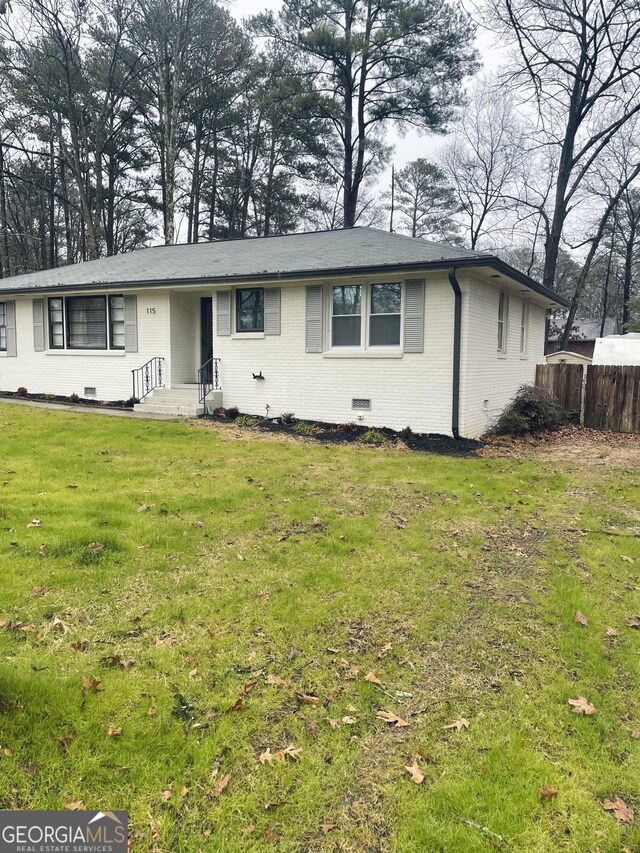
(67, 401)
(354, 433)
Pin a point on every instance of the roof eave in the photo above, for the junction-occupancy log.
(441, 264)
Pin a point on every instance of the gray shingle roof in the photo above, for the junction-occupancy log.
(290, 256)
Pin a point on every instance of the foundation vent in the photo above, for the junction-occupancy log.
(90, 392)
(361, 404)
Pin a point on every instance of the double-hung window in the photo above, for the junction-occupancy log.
(3, 327)
(87, 322)
(366, 316)
(250, 309)
(384, 314)
(524, 328)
(346, 315)
(503, 313)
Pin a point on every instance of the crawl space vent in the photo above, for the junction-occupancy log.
(90, 392)
(361, 404)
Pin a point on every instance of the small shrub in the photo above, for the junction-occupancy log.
(287, 418)
(374, 436)
(22, 391)
(305, 428)
(531, 410)
(406, 434)
(233, 412)
(131, 402)
(245, 420)
(74, 398)
(346, 428)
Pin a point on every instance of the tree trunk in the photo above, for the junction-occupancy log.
(5, 257)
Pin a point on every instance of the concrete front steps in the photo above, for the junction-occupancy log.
(180, 401)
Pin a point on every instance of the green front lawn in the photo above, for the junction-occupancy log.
(193, 603)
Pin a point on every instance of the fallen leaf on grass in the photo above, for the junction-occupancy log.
(221, 784)
(348, 721)
(198, 523)
(622, 812)
(165, 796)
(548, 793)
(581, 706)
(386, 648)
(291, 752)
(327, 827)
(153, 709)
(40, 590)
(627, 559)
(271, 836)
(96, 546)
(417, 776)
(239, 705)
(335, 724)
(276, 679)
(248, 687)
(35, 523)
(373, 678)
(610, 632)
(580, 618)
(634, 734)
(6, 751)
(307, 699)
(458, 725)
(114, 731)
(74, 805)
(633, 621)
(58, 622)
(92, 684)
(426, 756)
(264, 595)
(390, 717)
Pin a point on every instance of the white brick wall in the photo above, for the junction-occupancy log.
(487, 375)
(412, 390)
(68, 372)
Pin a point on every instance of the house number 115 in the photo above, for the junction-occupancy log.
(151, 310)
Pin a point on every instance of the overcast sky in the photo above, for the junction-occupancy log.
(411, 145)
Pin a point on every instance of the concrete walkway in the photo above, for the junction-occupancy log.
(90, 410)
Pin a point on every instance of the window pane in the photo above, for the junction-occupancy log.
(386, 298)
(3, 326)
(56, 326)
(87, 322)
(345, 331)
(384, 330)
(346, 299)
(116, 322)
(250, 310)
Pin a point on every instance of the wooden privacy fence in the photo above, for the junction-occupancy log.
(609, 399)
(563, 382)
(612, 398)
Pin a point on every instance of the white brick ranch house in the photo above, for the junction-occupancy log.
(352, 325)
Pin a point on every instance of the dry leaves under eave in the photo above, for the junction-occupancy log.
(621, 811)
(581, 706)
(580, 618)
(417, 776)
(390, 717)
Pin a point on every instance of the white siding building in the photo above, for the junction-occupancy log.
(354, 325)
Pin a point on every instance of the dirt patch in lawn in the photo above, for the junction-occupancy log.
(570, 444)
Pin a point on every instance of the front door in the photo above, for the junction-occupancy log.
(206, 333)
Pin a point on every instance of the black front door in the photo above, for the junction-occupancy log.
(206, 332)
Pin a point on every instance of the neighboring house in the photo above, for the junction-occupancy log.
(618, 349)
(564, 356)
(583, 334)
(339, 326)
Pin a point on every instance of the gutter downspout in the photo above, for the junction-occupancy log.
(457, 328)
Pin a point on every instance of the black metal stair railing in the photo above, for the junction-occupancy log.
(147, 378)
(208, 378)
